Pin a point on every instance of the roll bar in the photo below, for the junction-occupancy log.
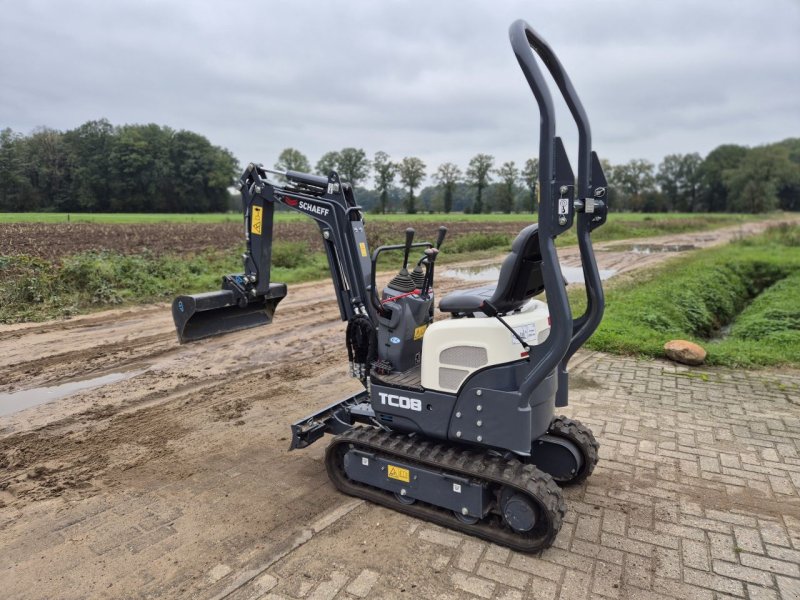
(557, 208)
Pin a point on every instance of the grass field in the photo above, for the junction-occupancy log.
(741, 302)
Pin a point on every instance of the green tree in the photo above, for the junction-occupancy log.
(14, 187)
(530, 177)
(141, 169)
(668, 178)
(89, 147)
(385, 171)
(508, 174)
(47, 163)
(353, 165)
(753, 186)
(201, 175)
(329, 162)
(712, 174)
(479, 175)
(412, 171)
(292, 159)
(447, 176)
(692, 181)
(789, 186)
(635, 178)
(679, 179)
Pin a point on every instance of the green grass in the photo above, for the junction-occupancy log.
(34, 290)
(752, 283)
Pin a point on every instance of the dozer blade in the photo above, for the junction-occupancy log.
(213, 313)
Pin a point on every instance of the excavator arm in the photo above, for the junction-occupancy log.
(249, 299)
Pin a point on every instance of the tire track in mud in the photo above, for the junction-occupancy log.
(81, 455)
(85, 321)
(120, 354)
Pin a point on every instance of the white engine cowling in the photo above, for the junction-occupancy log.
(454, 348)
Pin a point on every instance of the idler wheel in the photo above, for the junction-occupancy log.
(519, 512)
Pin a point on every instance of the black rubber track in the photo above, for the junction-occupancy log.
(465, 462)
(581, 436)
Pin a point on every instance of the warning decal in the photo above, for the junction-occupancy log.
(419, 332)
(399, 473)
(363, 247)
(255, 220)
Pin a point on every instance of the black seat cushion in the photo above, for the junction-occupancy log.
(520, 280)
(466, 301)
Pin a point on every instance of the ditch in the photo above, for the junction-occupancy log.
(741, 302)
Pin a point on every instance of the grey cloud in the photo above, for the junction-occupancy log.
(433, 79)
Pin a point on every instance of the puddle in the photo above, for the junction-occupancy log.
(491, 273)
(650, 248)
(575, 274)
(17, 401)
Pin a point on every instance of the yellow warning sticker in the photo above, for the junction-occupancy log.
(255, 220)
(419, 332)
(399, 473)
(363, 247)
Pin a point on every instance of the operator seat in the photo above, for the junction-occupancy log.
(520, 280)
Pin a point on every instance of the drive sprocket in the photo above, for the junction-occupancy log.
(582, 437)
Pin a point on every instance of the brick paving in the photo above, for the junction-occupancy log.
(696, 496)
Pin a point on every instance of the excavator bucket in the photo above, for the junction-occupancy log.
(204, 315)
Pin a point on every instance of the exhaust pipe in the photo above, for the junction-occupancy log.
(199, 316)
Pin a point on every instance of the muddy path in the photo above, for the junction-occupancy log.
(175, 420)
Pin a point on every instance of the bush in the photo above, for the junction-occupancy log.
(472, 242)
(290, 255)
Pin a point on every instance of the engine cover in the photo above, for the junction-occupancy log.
(454, 348)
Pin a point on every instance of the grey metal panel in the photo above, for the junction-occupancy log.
(398, 342)
(451, 378)
(448, 491)
(472, 357)
(493, 418)
(491, 411)
(400, 415)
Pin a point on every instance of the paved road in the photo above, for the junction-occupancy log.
(696, 496)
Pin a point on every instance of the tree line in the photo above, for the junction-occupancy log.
(731, 178)
(99, 167)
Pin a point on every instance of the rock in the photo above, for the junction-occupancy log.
(685, 352)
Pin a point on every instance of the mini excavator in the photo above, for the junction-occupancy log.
(457, 420)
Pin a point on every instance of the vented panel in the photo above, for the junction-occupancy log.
(471, 357)
(450, 379)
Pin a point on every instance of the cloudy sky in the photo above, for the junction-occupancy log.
(435, 79)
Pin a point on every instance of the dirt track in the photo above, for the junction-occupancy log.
(170, 430)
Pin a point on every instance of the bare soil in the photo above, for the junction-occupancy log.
(161, 433)
(53, 241)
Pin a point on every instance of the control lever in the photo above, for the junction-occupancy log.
(440, 237)
(403, 282)
(430, 258)
(409, 241)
